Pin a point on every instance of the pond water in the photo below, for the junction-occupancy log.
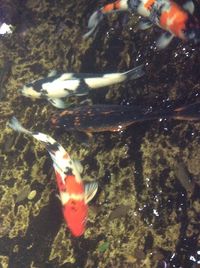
(146, 211)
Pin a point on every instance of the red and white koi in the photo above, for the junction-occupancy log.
(74, 194)
(176, 20)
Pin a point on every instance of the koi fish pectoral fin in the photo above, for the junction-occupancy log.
(87, 101)
(164, 40)
(58, 196)
(144, 24)
(58, 103)
(52, 73)
(78, 165)
(90, 191)
(135, 73)
(82, 91)
(93, 23)
(189, 6)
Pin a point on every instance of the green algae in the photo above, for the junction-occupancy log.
(23, 194)
(62, 248)
(20, 226)
(193, 159)
(4, 260)
(51, 45)
(43, 201)
(103, 247)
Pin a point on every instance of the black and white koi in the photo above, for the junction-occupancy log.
(55, 87)
(177, 21)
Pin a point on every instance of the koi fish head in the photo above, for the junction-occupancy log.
(29, 91)
(74, 196)
(75, 213)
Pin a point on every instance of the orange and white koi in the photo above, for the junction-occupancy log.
(74, 194)
(177, 21)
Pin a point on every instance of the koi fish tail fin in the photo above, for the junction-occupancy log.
(135, 73)
(189, 112)
(16, 125)
(97, 16)
(45, 139)
(56, 151)
(93, 23)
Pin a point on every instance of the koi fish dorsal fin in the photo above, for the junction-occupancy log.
(189, 6)
(78, 165)
(90, 191)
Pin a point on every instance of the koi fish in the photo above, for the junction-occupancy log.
(55, 86)
(74, 194)
(177, 21)
(99, 118)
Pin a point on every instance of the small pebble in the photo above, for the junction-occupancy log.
(32, 195)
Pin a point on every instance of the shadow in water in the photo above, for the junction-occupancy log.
(40, 234)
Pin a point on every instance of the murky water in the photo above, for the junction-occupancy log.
(146, 212)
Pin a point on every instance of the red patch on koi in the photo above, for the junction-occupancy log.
(75, 213)
(61, 185)
(178, 19)
(74, 187)
(149, 4)
(111, 7)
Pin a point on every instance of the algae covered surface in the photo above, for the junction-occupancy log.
(146, 212)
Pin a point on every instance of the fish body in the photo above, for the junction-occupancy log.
(99, 118)
(74, 194)
(55, 86)
(176, 20)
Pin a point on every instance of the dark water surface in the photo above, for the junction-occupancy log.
(147, 210)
